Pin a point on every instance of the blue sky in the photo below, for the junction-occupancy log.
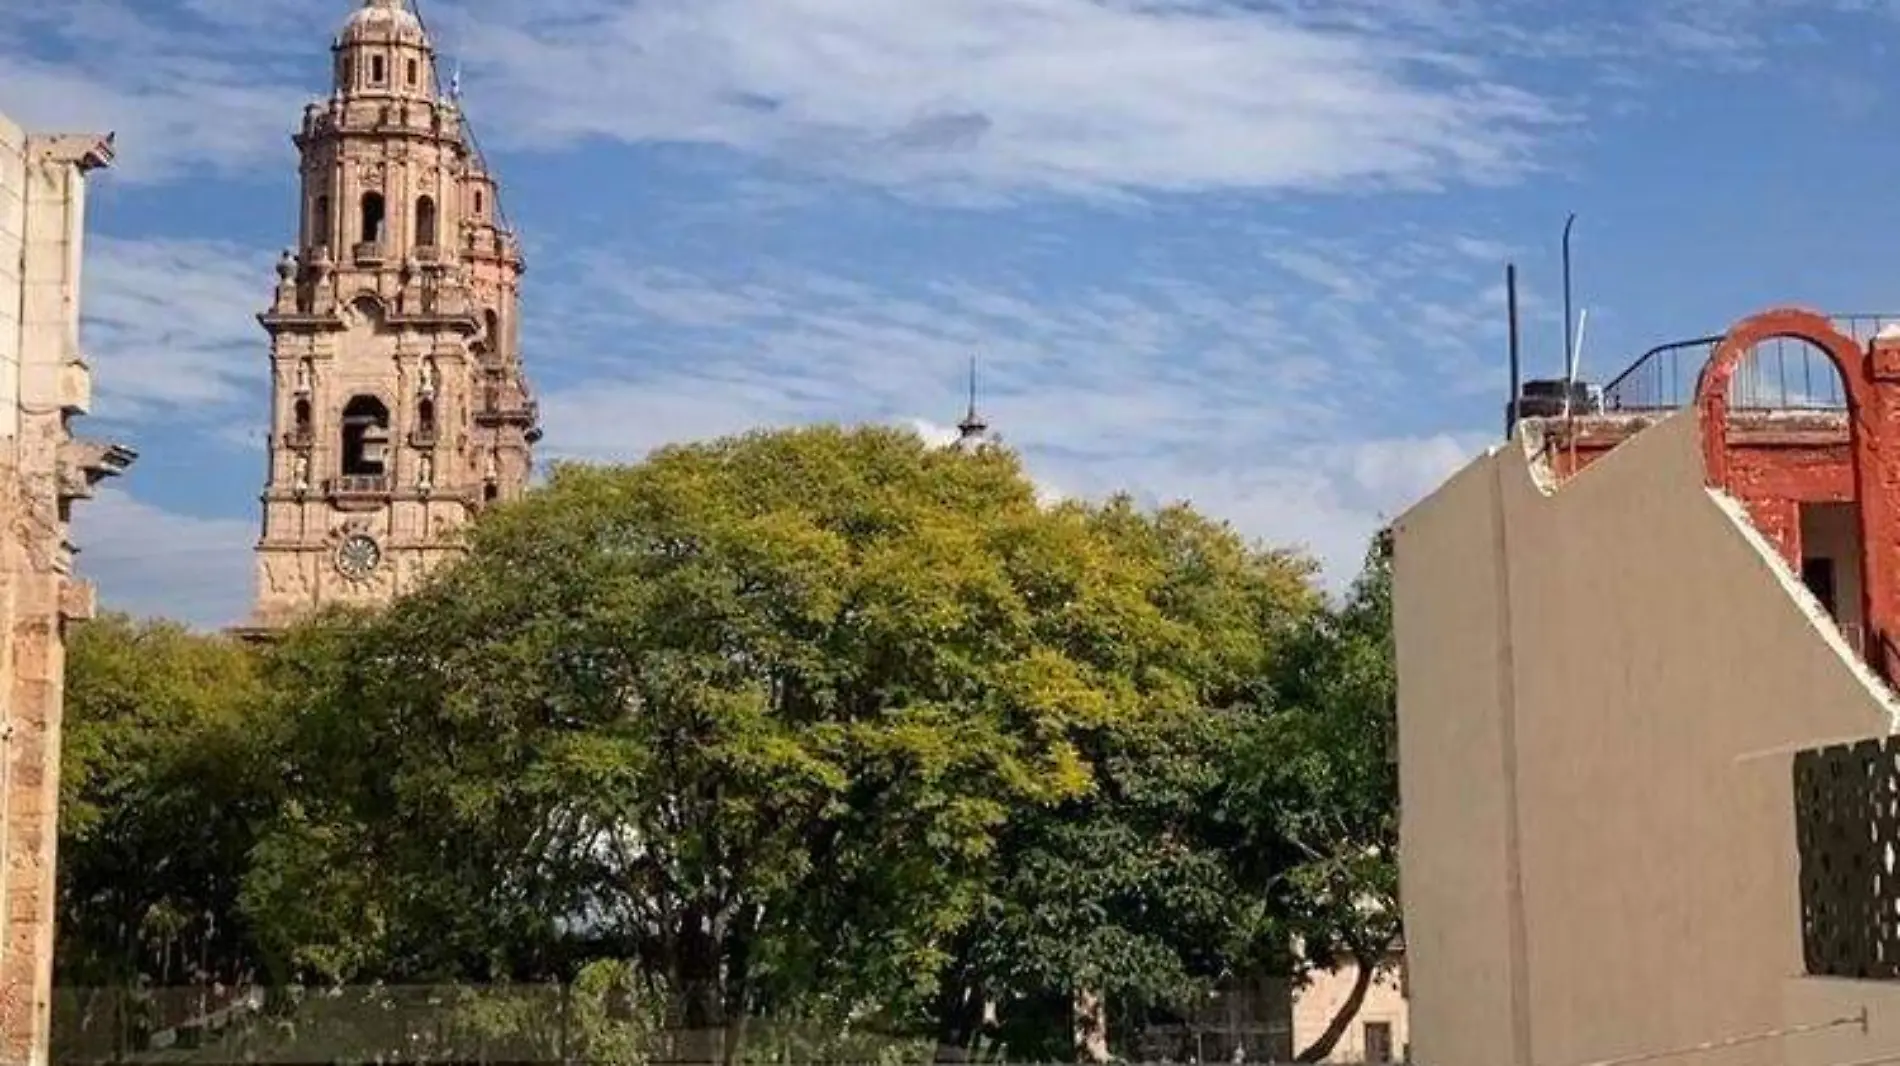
(1247, 253)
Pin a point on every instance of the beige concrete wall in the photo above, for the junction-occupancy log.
(1598, 690)
(1454, 794)
(1811, 1003)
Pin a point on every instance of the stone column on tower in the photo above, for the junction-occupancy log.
(399, 409)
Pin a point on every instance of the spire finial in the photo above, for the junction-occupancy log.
(973, 432)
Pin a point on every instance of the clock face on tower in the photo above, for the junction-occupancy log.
(358, 556)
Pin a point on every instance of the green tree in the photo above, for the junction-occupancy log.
(1127, 897)
(752, 713)
(162, 789)
(1314, 785)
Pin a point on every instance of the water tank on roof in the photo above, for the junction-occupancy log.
(1545, 399)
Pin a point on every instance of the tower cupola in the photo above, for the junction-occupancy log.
(383, 51)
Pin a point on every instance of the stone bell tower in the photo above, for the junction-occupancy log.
(398, 405)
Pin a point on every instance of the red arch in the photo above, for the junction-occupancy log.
(1794, 323)
(1871, 419)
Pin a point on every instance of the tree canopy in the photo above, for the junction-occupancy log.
(161, 795)
(817, 728)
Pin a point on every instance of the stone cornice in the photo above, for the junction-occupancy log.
(333, 322)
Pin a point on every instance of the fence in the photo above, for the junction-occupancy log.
(1780, 374)
(516, 1026)
(1661, 379)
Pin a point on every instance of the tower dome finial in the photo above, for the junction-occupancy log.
(376, 18)
(973, 432)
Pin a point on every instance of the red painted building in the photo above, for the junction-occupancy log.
(1800, 421)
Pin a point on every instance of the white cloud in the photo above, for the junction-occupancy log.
(965, 99)
(1325, 498)
(959, 97)
(1062, 95)
(934, 433)
(170, 324)
(1155, 367)
(150, 561)
(182, 95)
(1169, 388)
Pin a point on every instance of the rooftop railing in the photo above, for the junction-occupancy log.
(1780, 374)
(1661, 379)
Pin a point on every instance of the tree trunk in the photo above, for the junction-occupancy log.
(738, 988)
(1368, 964)
(701, 1005)
(1091, 1027)
(959, 1022)
(735, 1037)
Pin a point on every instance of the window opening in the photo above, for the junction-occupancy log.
(1378, 1042)
(372, 218)
(320, 222)
(425, 222)
(365, 437)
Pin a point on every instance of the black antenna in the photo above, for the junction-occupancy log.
(1510, 304)
(1570, 321)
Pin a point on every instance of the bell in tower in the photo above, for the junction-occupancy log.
(395, 308)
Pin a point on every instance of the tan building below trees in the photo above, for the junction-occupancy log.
(44, 383)
(1378, 1032)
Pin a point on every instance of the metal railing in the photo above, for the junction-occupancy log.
(1661, 379)
(1864, 326)
(1786, 374)
(1780, 374)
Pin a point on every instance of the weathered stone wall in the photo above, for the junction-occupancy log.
(43, 382)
